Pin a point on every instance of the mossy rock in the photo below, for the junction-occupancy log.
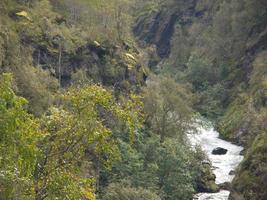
(206, 182)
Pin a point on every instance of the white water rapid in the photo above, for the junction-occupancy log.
(222, 165)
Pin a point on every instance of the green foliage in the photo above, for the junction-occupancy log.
(77, 127)
(211, 102)
(174, 162)
(201, 73)
(20, 133)
(249, 118)
(42, 159)
(121, 192)
(54, 46)
(234, 117)
(160, 160)
(171, 169)
(105, 20)
(165, 107)
(134, 168)
(252, 171)
(32, 83)
(220, 48)
(88, 143)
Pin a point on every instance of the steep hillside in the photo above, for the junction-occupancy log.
(47, 47)
(157, 26)
(219, 47)
(81, 119)
(78, 120)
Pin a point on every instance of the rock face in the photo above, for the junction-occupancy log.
(157, 28)
(225, 186)
(95, 60)
(219, 151)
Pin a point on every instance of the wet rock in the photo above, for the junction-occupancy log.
(225, 186)
(242, 153)
(219, 151)
(232, 172)
(206, 162)
(208, 187)
(206, 182)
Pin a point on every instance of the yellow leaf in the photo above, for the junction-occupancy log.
(88, 194)
(97, 43)
(130, 56)
(144, 71)
(130, 66)
(23, 14)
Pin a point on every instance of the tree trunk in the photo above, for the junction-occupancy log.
(59, 63)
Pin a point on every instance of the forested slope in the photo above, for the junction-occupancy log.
(96, 96)
(55, 37)
(77, 120)
(220, 48)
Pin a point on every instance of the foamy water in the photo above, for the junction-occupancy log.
(222, 165)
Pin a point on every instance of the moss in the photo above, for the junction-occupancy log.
(213, 187)
(234, 117)
(251, 179)
(206, 181)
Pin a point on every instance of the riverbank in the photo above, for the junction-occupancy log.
(223, 166)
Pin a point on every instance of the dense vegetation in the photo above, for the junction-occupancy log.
(77, 120)
(220, 48)
(96, 97)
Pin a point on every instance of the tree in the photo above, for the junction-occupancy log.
(201, 73)
(19, 134)
(46, 158)
(77, 137)
(122, 192)
(176, 170)
(167, 107)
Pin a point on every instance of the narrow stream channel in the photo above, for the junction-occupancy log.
(222, 165)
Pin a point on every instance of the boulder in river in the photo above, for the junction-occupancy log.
(206, 162)
(225, 186)
(232, 172)
(206, 182)
(219, 151)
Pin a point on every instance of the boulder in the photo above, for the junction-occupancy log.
(206, 182)
(219, 151)
(232, 172)
(225, 186)
(206, 162)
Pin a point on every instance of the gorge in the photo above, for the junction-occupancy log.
(222, 165)
(97, 98)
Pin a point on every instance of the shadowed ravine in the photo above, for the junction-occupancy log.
(222, 165)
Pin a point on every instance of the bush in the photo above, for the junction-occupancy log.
(118, 191)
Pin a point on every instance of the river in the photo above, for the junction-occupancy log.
(222, 165)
